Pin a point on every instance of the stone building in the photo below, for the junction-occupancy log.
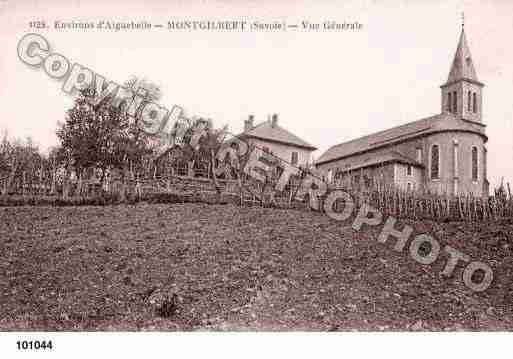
(276, 140)
(444, 153)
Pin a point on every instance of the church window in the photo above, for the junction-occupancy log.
(449, 102)
(454, 102)
(435, 162)
(455, 157)
(419, 155)
(484, 163)
(408, 170)
(469, 101)
(294, 158)
(474, 163)
(365, 180)
(330, 175)
(356, 179)
(474, 103)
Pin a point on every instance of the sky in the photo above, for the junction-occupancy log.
(327, 87)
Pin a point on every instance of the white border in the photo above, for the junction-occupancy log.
(263, 345)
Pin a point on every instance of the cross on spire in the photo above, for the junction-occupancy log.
(462, 20)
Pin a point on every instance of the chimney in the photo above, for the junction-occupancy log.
(248, 124)
(274, 120)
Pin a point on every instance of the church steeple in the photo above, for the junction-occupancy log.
(462, 66)
(462, 92)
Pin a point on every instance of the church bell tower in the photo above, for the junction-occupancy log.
(462, 92)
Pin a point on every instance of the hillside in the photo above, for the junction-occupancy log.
(223, 267)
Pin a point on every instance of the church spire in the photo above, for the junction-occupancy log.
(462, 66)
(462, 93)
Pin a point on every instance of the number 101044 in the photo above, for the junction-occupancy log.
(33, 344)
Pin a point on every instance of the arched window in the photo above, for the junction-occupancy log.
(474, 103)
(294, 158)
(469, 101)
(475, 163)
(449, 102)
(455, 102)
(330, 175)
(419, 155)
(485, 161)
(435, 162)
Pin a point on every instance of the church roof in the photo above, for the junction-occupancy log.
(391, 157)
(462, 67)
(438, 123)
(275, 133)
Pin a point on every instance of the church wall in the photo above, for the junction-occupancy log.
(445, 141)
(447, 162)
(402, 179)
(473, 88)
(408, 149)
(380, 175)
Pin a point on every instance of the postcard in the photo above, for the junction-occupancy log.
(220, 166)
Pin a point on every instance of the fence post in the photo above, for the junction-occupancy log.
(24, 184)
(65, 187)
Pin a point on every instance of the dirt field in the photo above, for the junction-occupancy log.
(222, 267)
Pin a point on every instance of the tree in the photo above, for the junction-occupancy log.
(93, 136)
(100, 136)
(153, 91)
(4, 149)
(201, 144)
(53, 162)
(19, 160)
(139, 147)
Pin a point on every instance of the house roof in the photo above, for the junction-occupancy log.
(390, 157)
(438, 123)
(276, 133)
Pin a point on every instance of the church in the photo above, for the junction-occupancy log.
(443, 154)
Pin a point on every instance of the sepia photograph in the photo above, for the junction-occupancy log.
(293, 172)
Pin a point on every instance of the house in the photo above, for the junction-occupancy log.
(276, 140)
(444, 153)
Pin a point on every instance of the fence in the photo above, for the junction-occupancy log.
(390, 201)
(403, 204)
